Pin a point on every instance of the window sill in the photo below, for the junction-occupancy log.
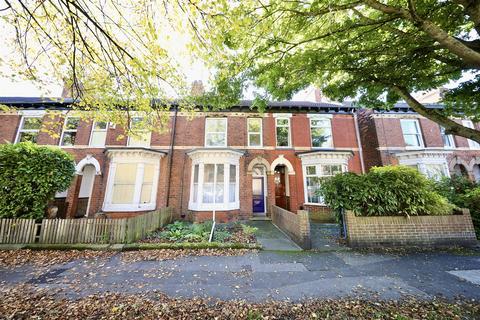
(128, 207)
(315, 204)
(211, 206)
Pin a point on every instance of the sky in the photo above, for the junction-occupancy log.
(193, 70)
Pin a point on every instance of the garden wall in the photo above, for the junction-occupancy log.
(297, 226)
(413, 230)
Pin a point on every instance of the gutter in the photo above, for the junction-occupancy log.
(170, 155)
(359, 142)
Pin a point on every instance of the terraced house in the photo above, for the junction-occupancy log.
(237, 162)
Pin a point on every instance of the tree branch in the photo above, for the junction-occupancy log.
(450, 126)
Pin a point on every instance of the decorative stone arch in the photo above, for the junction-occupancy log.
(473, 162)
(88, 160)
(456, 161)
(282, 160)
(259, 161)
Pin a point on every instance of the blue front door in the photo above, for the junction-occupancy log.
(258, 195)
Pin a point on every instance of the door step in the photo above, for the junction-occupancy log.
(260, 218)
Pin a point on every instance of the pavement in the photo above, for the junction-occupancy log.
(266, 275)
(272, 238)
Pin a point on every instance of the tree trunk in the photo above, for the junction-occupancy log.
(451, 127)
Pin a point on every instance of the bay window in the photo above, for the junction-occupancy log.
(216, 132)
(431, 163)
(132, 179)
(215, 180)
(318, 165)
(314, 174)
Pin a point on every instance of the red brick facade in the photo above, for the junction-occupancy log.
(174, 184)
(383, 141)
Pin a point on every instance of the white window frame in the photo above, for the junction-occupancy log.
(60, 143)
(140, 158)
(322, 117)
(418, 134)
(140, 133)
(216, 132)
(318, 170)
(98, 130)
(20, 128)
(448, 137)
(283, 117)
(322, 158)
(422, 158)
(256, 133)
(471, 144)
(225, 157)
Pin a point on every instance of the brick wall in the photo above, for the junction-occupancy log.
(190, 135)
(416, 230)
(297, 226)
(320, 213)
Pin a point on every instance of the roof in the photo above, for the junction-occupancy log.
(242, 105)
(37, 102)
(403, 107)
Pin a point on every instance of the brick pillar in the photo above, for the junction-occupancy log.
(270, 192)
(292, 185)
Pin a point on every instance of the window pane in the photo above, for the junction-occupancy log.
(233, 179)
(216, 125)
(32, 123)
(208, 179)
(434, 171)
(282, 136)
(313, 184)
(412, 140)
(68, 138)
(195, 173)
(254, 124)
(311, 170)
(72, 123)
(208, 173)
(215, 139)
(409, 127)
(141, 139)
(254, 139)
(282, 122)
(148, 172)
(100, 126)
(124, 183)
(321, 137)
(219, 190)
(98, 138)
(28, 136)
(336, 169)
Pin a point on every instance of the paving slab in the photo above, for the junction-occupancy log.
(472, 276)
(272, 238)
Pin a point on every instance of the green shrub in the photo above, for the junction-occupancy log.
(464, 194)
(384, 191)
(30, 175)
(248, 230)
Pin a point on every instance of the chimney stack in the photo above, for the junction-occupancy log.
(318, 95)
(197, 88)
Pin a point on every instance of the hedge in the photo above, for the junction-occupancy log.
(30, 175)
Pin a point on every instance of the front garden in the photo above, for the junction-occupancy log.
(394, 205)
(185, 232)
